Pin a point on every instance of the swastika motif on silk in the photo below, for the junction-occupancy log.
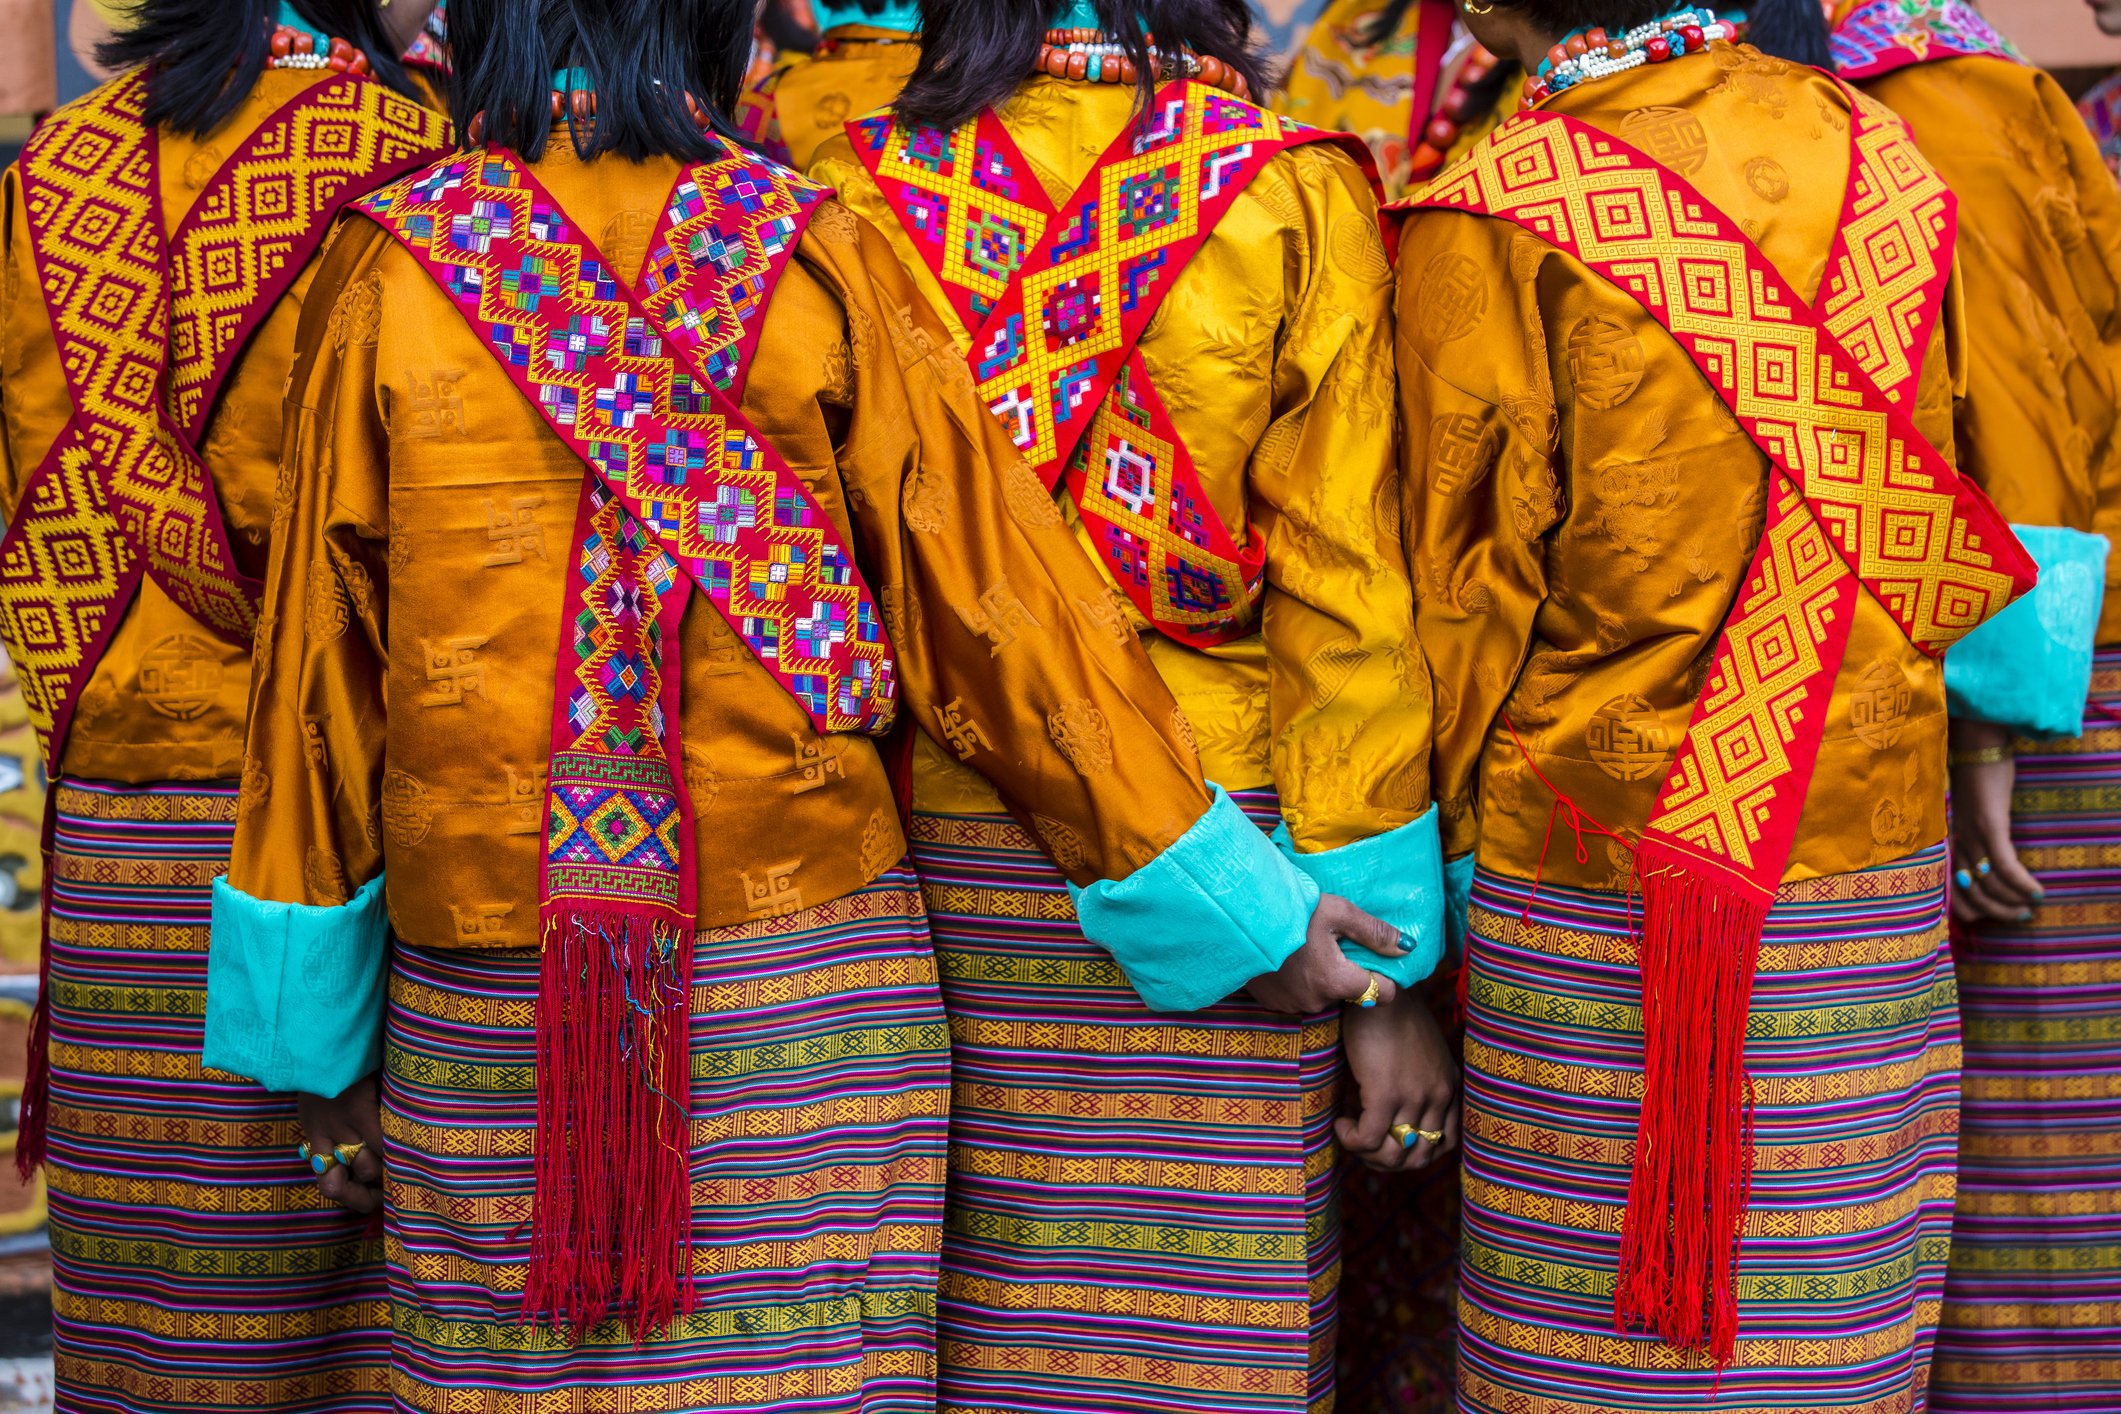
(147, 329)
(1056, 300)
(1870, 488)
(1883, 35)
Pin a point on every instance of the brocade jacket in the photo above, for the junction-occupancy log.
(1582, 507)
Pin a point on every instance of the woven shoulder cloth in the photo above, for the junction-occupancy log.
(1070, 384)
(758, 111)
(1879, 36)
(641, 379)
(148, 328)
(1857, 499)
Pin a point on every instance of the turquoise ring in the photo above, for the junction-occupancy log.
(1966, 880)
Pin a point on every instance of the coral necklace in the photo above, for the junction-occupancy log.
(1096, 56)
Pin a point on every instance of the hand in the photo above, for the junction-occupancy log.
(1989, 883)
(356, 1117)
(1318, 975)
(1403, 1073)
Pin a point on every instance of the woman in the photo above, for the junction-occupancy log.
(192, 1265)
(865, 53)
(665, 1080)
(2039, 427)
(1221, 442)
(1690, 732)
(1375, 70)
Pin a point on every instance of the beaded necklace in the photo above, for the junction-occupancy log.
(574, 97)
(1078, 48)
(294, 45)
(1593, 54)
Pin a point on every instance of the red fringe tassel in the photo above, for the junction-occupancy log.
(1693, 1173)
(34, 1121)
(611, 1223)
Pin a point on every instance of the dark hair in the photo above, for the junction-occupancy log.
(198, 71)
(974, 53)
(642, 56)
(1790, 29)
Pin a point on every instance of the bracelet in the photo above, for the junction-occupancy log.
(1980, 756)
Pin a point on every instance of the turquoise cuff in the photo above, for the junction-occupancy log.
(895, 14)
(1218, 908)
(1458, 902)
(2030, 667)
(294, 993)
(1396, 876)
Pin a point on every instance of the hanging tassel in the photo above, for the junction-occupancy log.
(33, 1125)
(611, 1221)
(1693, 1173)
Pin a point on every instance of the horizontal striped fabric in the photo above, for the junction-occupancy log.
(1142, 1206)
(1853, 1045)
(2032, 1311)
(194, 1265)
(820, 1075)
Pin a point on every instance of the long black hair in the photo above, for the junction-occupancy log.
(203, 56)
(643, 57)
(1790, 29)
(974, 53)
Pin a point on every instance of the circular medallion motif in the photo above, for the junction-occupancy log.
(1627, 739)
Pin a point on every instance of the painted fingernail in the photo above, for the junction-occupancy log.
(2025, 915)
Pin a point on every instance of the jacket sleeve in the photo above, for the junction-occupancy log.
(295, 984)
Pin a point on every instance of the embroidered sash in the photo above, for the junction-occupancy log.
(758, 113)
(642, 382)
(1879, 36)
(1857, 496)
(147, 330)
(1071, 385)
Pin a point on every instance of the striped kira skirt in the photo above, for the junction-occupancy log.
(2032, 1310)
(1853, 1045)
(1143, 1214)
(820, 1086)
(194, 1266)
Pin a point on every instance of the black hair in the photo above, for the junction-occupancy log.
(1385, 23)
(202, 57)
(784, 34)
(974, 53)
(1790, 29)
(643, 58)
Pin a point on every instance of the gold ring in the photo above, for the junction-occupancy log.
(345, 1153)
(1369, 993)
(1434, 1136)
(1403, 1133)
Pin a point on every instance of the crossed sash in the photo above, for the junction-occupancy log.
(1056, 300)
(1879, 36)
(642, 382)
(148, 329)
(1857, 497)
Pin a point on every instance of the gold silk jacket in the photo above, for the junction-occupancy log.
(401, 718)
(1581, 505)
(2040, 267)
(167, 700)
(816, 96)
(1273, 353)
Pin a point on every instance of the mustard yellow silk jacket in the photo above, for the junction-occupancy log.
(1582, 506)
(1273, 353)
(402, 711)
(815, 96)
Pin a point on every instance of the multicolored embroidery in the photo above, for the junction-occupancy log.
(1883, 35)
(2101, 107)
(1056, 301)
(147, 330)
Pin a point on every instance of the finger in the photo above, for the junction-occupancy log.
(1432, 1121)
(342, 1190)
(1983, 894)
(368, 1165)
(1348, 921)
(1450, 1124)
(2012, 878)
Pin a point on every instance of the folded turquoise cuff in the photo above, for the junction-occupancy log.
(294, 993)
(2030, 667)
(1218, 908)
(1457, 902)
(894, 14)
(1396, 876)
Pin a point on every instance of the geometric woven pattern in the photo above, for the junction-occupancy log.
(1858, 490)
(1883, 35)
(633, 388)
(145, 345)
(1056, 301)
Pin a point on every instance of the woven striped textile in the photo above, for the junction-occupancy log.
(1143, 1207)
(2032, 1311)
(194, 1265)
(1853, 1045)
(820, 1084)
